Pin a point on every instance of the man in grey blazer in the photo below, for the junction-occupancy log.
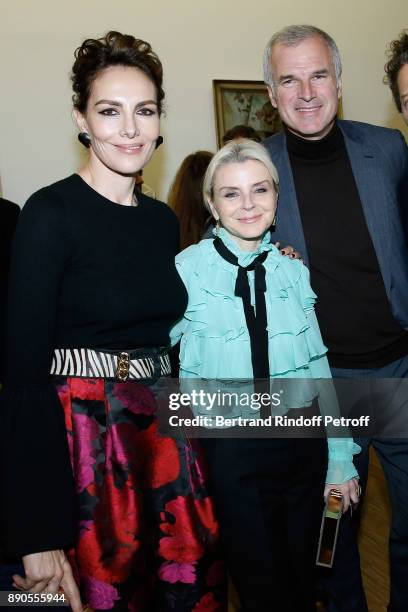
(339, 205)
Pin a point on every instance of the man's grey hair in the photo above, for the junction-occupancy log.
(293, 35)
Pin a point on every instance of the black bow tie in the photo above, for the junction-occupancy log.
(256, 320)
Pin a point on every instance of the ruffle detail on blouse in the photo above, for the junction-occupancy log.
(341, 467)
(216, 341)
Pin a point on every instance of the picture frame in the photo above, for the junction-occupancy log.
(244, 103)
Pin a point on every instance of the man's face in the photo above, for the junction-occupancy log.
(306, 92)
(402, 82)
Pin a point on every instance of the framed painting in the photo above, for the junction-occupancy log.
(244, 103)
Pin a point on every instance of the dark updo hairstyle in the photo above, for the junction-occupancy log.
(113, 49)
(397, 58)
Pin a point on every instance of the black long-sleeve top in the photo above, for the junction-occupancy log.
(85, 272)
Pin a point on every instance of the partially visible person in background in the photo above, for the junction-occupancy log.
(396, 72)
(241, 131)
(396, 76)
(8, 220)
(185, 198)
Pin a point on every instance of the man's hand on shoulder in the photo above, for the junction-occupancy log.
(289, 251)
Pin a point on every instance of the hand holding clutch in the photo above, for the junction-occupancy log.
(350, 491)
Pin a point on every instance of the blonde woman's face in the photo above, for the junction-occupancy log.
(244, 201)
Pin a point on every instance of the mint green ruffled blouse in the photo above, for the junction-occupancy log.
(214, 336)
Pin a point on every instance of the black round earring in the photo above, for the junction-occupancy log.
(84, 139)
(159, 141)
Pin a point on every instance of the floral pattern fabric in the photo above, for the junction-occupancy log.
(148, 537)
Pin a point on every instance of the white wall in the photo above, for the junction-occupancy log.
(197, 41)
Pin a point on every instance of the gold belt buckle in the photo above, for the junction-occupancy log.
(122, 368)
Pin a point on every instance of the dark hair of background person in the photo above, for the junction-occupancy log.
(241, 131)
(186, 199)
(397, 57)
(113, 49)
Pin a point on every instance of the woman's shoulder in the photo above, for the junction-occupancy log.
(195, 252)
(161, 209)
(195, 262)
(48, 203)
(54, 194)
(293, 269)
(290, 277)
(161, 219)
(44, 216)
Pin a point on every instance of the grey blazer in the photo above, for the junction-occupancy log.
(379, 160)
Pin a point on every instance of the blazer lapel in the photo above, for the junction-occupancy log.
(288, 222)
(372, 193)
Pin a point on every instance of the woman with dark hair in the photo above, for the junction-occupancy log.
(186, 199)
(92, 490)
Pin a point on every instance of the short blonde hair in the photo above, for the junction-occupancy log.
(237, 152)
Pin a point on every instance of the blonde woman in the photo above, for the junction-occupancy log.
(251, 314)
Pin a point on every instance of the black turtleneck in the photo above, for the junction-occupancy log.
(352, 308)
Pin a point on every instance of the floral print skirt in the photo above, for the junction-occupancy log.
(148, 538)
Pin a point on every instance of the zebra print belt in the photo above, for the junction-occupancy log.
(146, 364)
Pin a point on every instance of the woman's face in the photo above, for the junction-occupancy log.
(244, 201)
(122, 119)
